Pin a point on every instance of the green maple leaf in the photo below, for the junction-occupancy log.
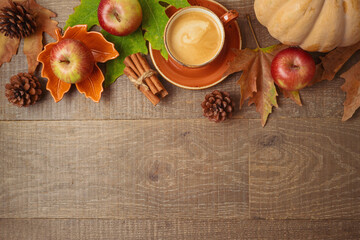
(177, 3)
(126, 46)
(153, 24)
(85, 13)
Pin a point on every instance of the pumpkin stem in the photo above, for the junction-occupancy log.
(252, 31)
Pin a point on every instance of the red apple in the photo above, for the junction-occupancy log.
(119, 17)
(71, 61)
(293, 69)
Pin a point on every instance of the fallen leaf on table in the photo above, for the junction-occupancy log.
(318, 75)
(8, 48)
(153, 24)
(352, 89)
(333, 62)
(336, 59)
(330, 65)
(33, 44)
(293, 95)
(256, 82)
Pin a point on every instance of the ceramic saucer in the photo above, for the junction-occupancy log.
(209, 75)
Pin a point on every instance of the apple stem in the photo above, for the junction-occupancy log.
(65, 61)
(293, 66)
(252, 31)
(117, 16)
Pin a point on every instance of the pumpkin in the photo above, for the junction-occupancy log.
(314, 25)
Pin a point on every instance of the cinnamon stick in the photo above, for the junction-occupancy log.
(129, 63)
(142, 71)
(148, 94)
(139, 69)
(154, 79)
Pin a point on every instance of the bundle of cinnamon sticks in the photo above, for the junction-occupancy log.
(144, 78)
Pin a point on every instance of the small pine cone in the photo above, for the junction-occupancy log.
(16, 21)
(23, 90)
(218, 106)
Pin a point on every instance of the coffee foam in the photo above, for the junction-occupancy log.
(194, 38)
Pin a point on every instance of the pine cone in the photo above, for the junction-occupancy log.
(23, 90)
(16, 21)
(218, 106)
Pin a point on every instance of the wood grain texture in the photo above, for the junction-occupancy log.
(231, 229)
(123, 169)
(303, 169)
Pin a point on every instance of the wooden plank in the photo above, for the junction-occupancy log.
(91, 229)
(118, 169)
(301, 169)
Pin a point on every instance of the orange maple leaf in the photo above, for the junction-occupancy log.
(33, 44)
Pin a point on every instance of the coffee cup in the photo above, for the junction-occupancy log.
(194, 36)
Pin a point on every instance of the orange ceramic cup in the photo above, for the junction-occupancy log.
(194, 36)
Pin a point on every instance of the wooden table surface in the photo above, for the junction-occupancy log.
(122, 169)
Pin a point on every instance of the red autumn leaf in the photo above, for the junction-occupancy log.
(352, 89)
(256, 82)
(33, 44)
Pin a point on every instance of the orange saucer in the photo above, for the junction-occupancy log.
(209, 75)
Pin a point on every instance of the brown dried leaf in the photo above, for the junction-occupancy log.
(32, 44)
(333, 62)
(256, 82)
(293, 95)
(352, 89)
(331, 65)
(318, 75)
(336, 59)
(8, 48)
